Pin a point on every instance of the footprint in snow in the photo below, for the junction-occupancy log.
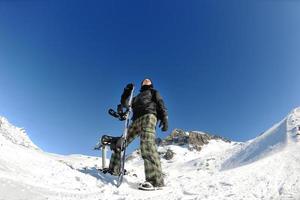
(225, 184)
(189, 193)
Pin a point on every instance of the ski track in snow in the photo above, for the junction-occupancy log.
(265, 168)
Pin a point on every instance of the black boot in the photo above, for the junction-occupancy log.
(112, 172)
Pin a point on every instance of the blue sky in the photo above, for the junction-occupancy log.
(226, 67)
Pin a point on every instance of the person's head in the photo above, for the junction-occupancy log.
(146, 81)
(146, 84)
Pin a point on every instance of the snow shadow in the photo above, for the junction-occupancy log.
(105, 178)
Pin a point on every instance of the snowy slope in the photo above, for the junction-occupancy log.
(267, 167)
(270, 142)
(27, 170)
(14, 134)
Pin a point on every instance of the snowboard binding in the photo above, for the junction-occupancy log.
(120, 113)
(116, 144)
(119, 116)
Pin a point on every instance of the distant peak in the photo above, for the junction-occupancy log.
(194, 139)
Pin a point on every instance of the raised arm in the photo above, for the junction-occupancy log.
(126, 94)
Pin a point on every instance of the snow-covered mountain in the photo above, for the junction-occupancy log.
(266, 167)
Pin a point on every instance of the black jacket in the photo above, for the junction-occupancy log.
(148, 101)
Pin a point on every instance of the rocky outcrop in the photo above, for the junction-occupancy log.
(178, 137)
(193, 139)
(169, 154)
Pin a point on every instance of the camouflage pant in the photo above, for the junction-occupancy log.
(145, 128)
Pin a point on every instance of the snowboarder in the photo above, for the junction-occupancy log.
(148, 107)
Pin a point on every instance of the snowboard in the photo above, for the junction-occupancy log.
(123, 138)
(119, 144)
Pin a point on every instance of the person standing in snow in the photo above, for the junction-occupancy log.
(148, 107)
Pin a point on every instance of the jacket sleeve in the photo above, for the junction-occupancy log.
(126, 94)
(161, 108)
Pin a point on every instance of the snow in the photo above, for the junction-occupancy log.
(271, 141)
(266, 167)
(14, 134)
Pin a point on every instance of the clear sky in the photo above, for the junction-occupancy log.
(226, 67)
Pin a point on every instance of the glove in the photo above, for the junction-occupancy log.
(164, 124)
(129, 86)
